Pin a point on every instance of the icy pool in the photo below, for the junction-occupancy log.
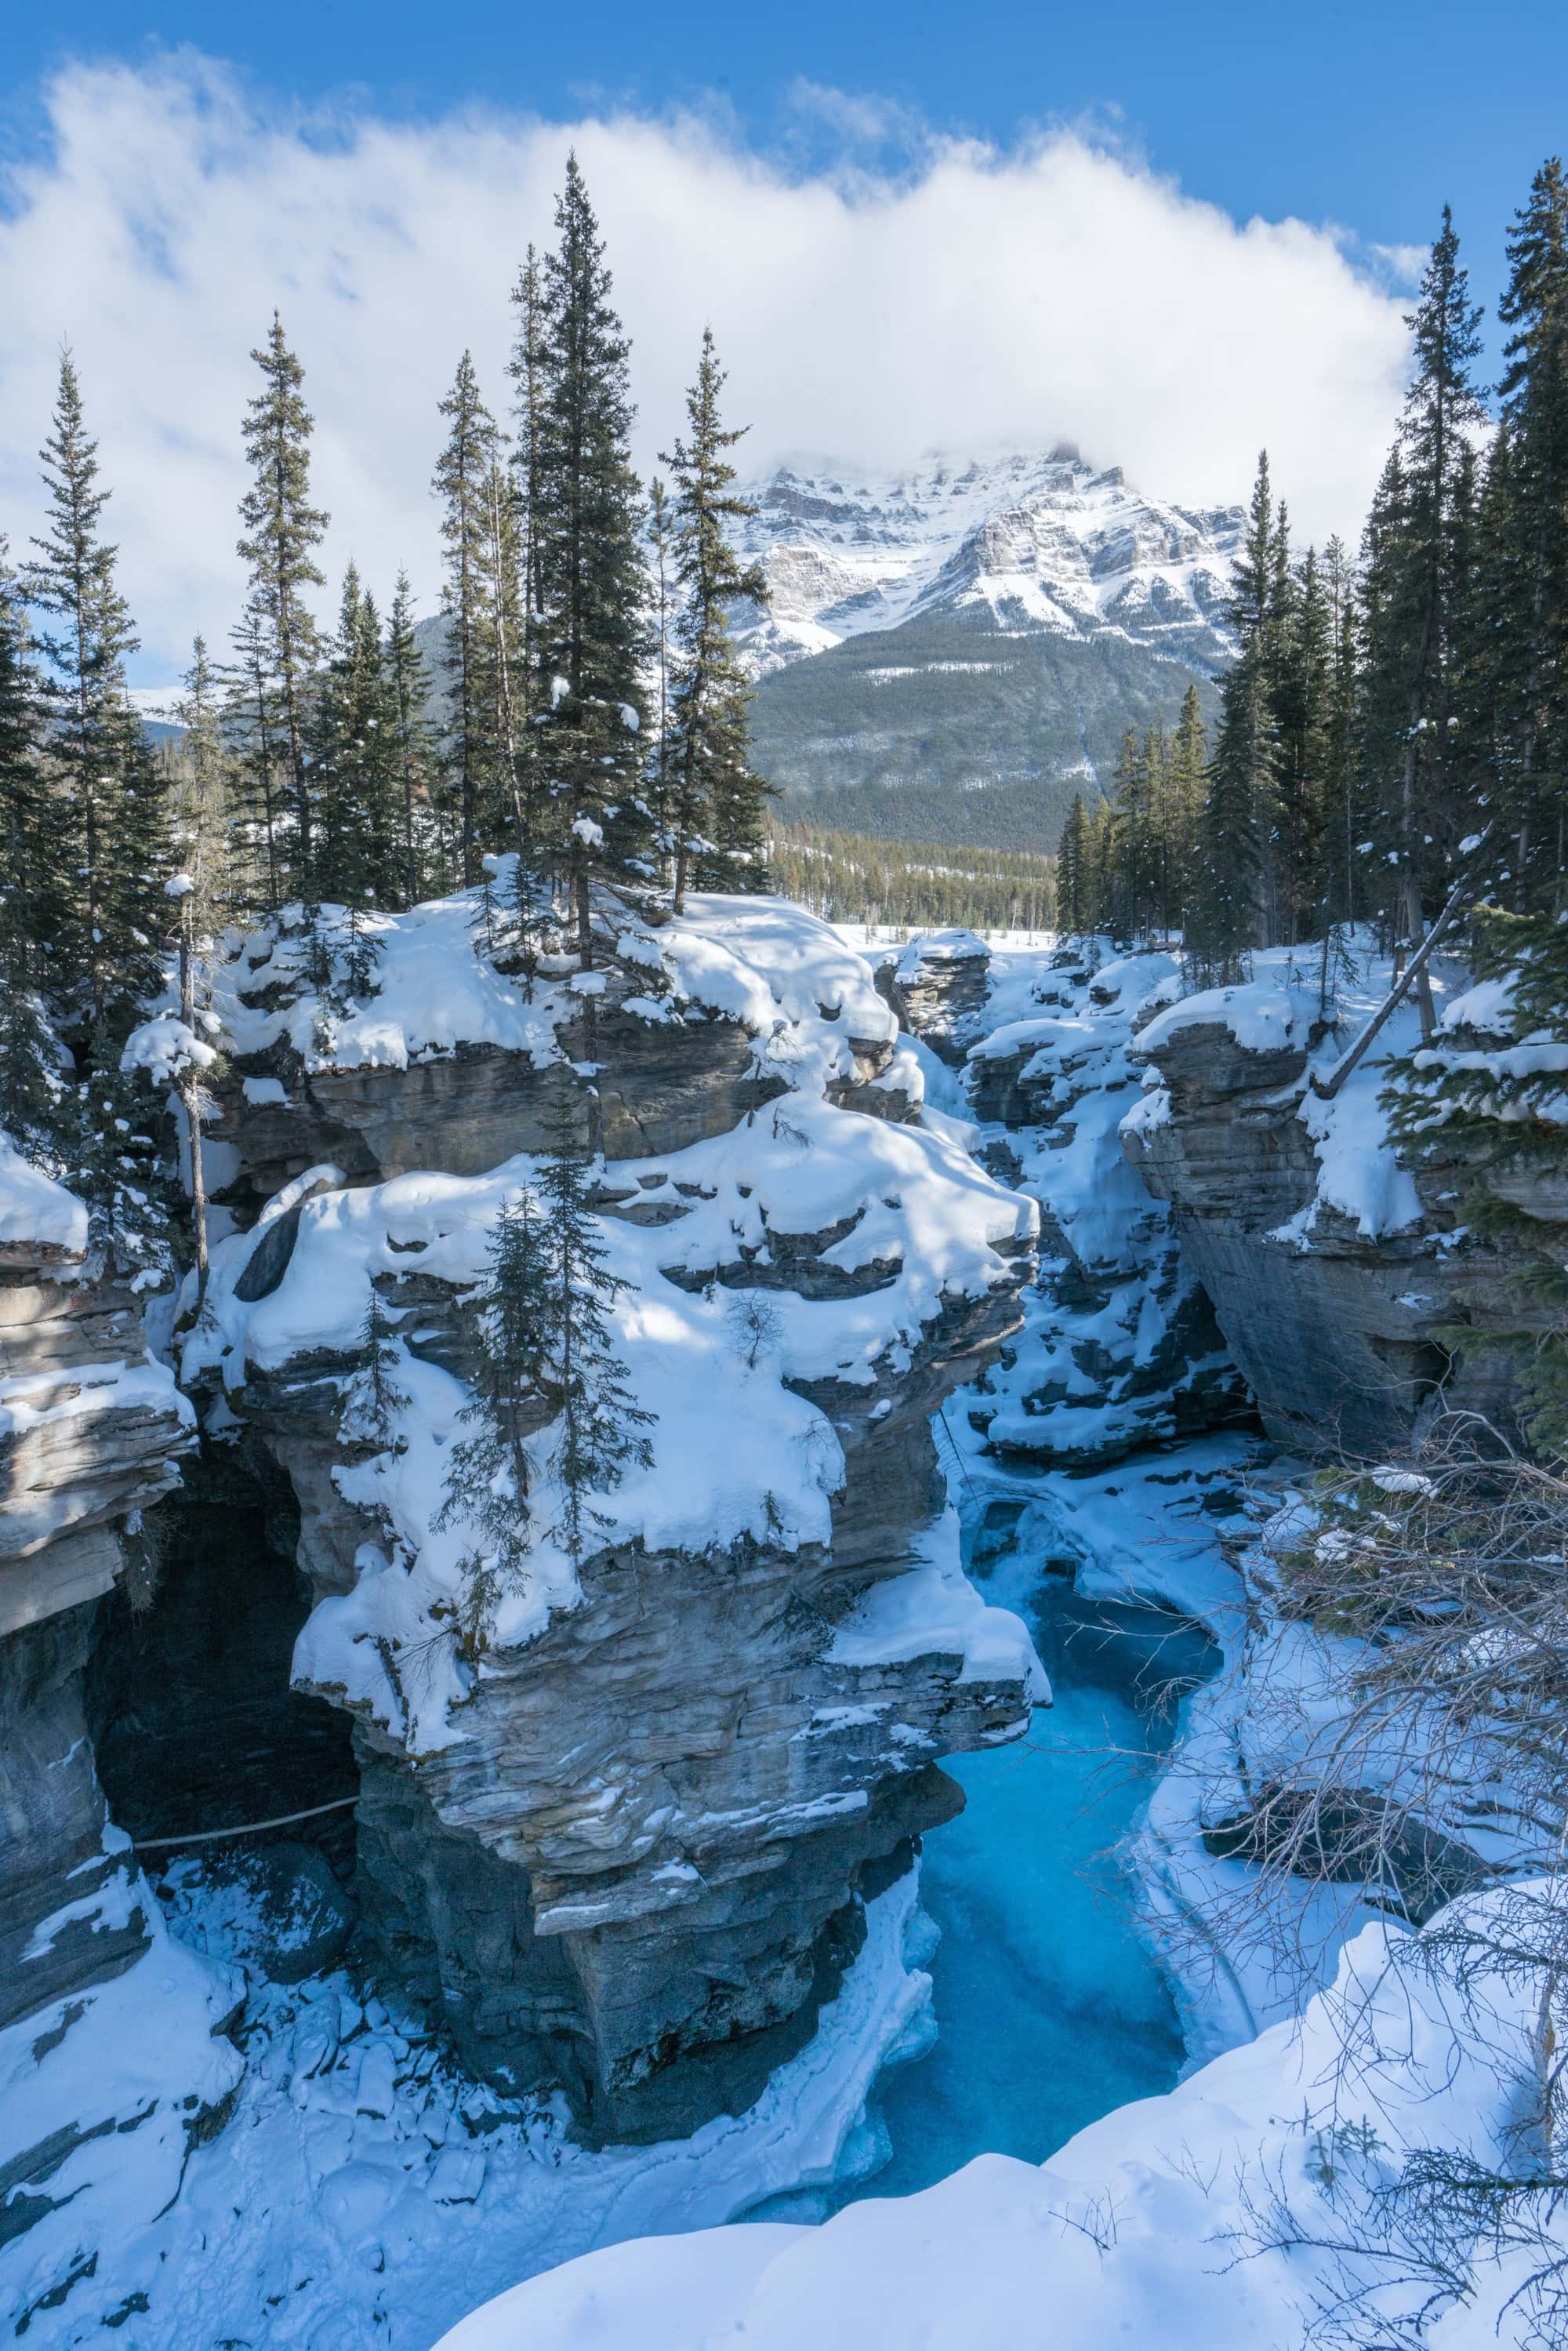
(1049, 2008)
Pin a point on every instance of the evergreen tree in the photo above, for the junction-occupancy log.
(31, 870)
(115, 817)
(373, 1398)
(253, 725)
(1233, 897)
(1417, 807)
(201, 784)
(1184, 807)
(592, 641)
(412, 743)
(1528, 513)
(462, 474)
(282, 528)
(1074, 880)
(716, 801)
(598, 1419)
(352, 742)
(1342, 828)
(1223, 918)
(529, 379)
(661, 547)
(488, 1478)
(1301, 707)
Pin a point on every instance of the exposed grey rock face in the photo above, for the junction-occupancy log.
(53, 1862)
(639, 1873)
(88, 1431)
(91, 1433)
(1349, 1340)
(1120, 1347)
(938, 987)
(640, 1865)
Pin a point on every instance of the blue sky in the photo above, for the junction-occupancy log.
(1368, 115)
(1170, 235)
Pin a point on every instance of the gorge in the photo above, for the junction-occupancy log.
(633, 1917)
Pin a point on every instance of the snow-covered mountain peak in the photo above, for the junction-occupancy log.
(1044, 540)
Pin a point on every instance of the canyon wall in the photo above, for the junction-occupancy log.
(621, 1839)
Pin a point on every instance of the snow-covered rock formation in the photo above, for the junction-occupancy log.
(90, 1433)
(951, 652)
(109, 2069)
(624, 1845)
(1260, 2193)
(1343, 1269)
(1119, 1347)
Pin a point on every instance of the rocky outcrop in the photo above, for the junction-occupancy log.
(1343, 1272)
(90, 1430)
(1120, 1347)
(938, 987)
(623, 1844)
(109, 2069)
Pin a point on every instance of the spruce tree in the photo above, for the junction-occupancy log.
(600, 1421)
(31, 876)
(1223, 919)
(591, 639)
(462, 481)
(201, 790)
(352, 742)
(1418, 809)
(1184, 805)
(716, 802)
(413, 743)
(1301, 706)
(1530, 511)
(529, 370)
(1234, 887)
(373, 1398)
(662, 548)
(1072, 879)
(115, 816)
(488, 1478)
(253, 725)
(282, 528)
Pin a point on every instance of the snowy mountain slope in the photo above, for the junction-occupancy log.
(950, 653)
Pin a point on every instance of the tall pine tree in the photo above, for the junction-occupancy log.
(716, 802)
(115, 815)
(592, 637)
(282, 529)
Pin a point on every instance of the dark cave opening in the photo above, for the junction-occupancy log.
(194, 1724)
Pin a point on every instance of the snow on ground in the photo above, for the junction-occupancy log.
(1280, 1007)
(35, 1211)
(911, 1225)
(364, 2193)
(1212, 2216)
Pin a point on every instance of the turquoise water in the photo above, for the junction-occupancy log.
(1048, 2009)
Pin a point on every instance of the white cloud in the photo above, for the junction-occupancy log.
(1062, 289)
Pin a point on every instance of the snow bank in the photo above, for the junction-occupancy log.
(898, 1225)
(34, 1210)
(1211, 2216)
(365, 2191)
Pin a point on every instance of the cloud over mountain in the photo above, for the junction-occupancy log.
(961, 297)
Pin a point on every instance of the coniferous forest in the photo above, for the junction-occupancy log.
(1394, 721)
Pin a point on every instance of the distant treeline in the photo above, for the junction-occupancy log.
(852, 877)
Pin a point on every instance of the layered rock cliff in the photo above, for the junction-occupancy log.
(109, 2069)
(1119, 1346)
(622, 1842)
(1357, 1292)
